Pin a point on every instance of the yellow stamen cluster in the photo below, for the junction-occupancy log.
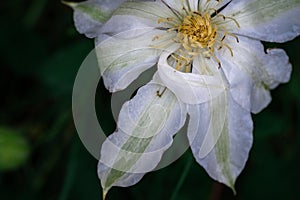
(197, 34)
(197, 31)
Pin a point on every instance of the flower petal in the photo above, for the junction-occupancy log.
(211, 117)
(90, 15)
(123, 57)
(146, 127)
(122, 23)
(252, 73)
(268, 20)
(189, 87)
(195, 5)
(178, 5)
(152, 11)
(226, 160)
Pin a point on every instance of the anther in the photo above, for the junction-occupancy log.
(228, 47)
(224, 36)
(159, 94)
(197, 13)
(233, 35)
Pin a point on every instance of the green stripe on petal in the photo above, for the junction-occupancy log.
(90, 15)
(146, 127)
(217, 112)
(139, 145)
(227, 159)
(268, 20)
(222, 152)
(91, 10)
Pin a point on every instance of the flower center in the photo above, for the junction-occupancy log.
(197, 31)
(198, 35)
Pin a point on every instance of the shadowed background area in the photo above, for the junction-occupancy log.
(41, 156)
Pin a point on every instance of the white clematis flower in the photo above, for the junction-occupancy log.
(211, 65)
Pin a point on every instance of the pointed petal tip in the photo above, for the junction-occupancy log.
(231, 185)
(68, 3)
(233, 190)
(104, 193)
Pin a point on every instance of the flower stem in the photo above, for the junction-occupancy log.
(183, 177)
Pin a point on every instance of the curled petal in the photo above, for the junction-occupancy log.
(251, 72)
(189, 87)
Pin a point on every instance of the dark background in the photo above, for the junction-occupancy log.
(41, 156)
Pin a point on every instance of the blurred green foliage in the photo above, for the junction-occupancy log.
(14, 149)
(41, 156)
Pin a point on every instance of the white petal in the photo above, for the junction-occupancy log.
(211, 6)
(195, 5)
(189, 87)
(146, 127)
(90, 15)
(207, 119)
(123, 57)
(178, 5)
(174, 4)
(227, 159)
(240, 83)
(278, 67)
(260, 98)
(122, 23)
(251, 69)
(268, 20)
(152, 11)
